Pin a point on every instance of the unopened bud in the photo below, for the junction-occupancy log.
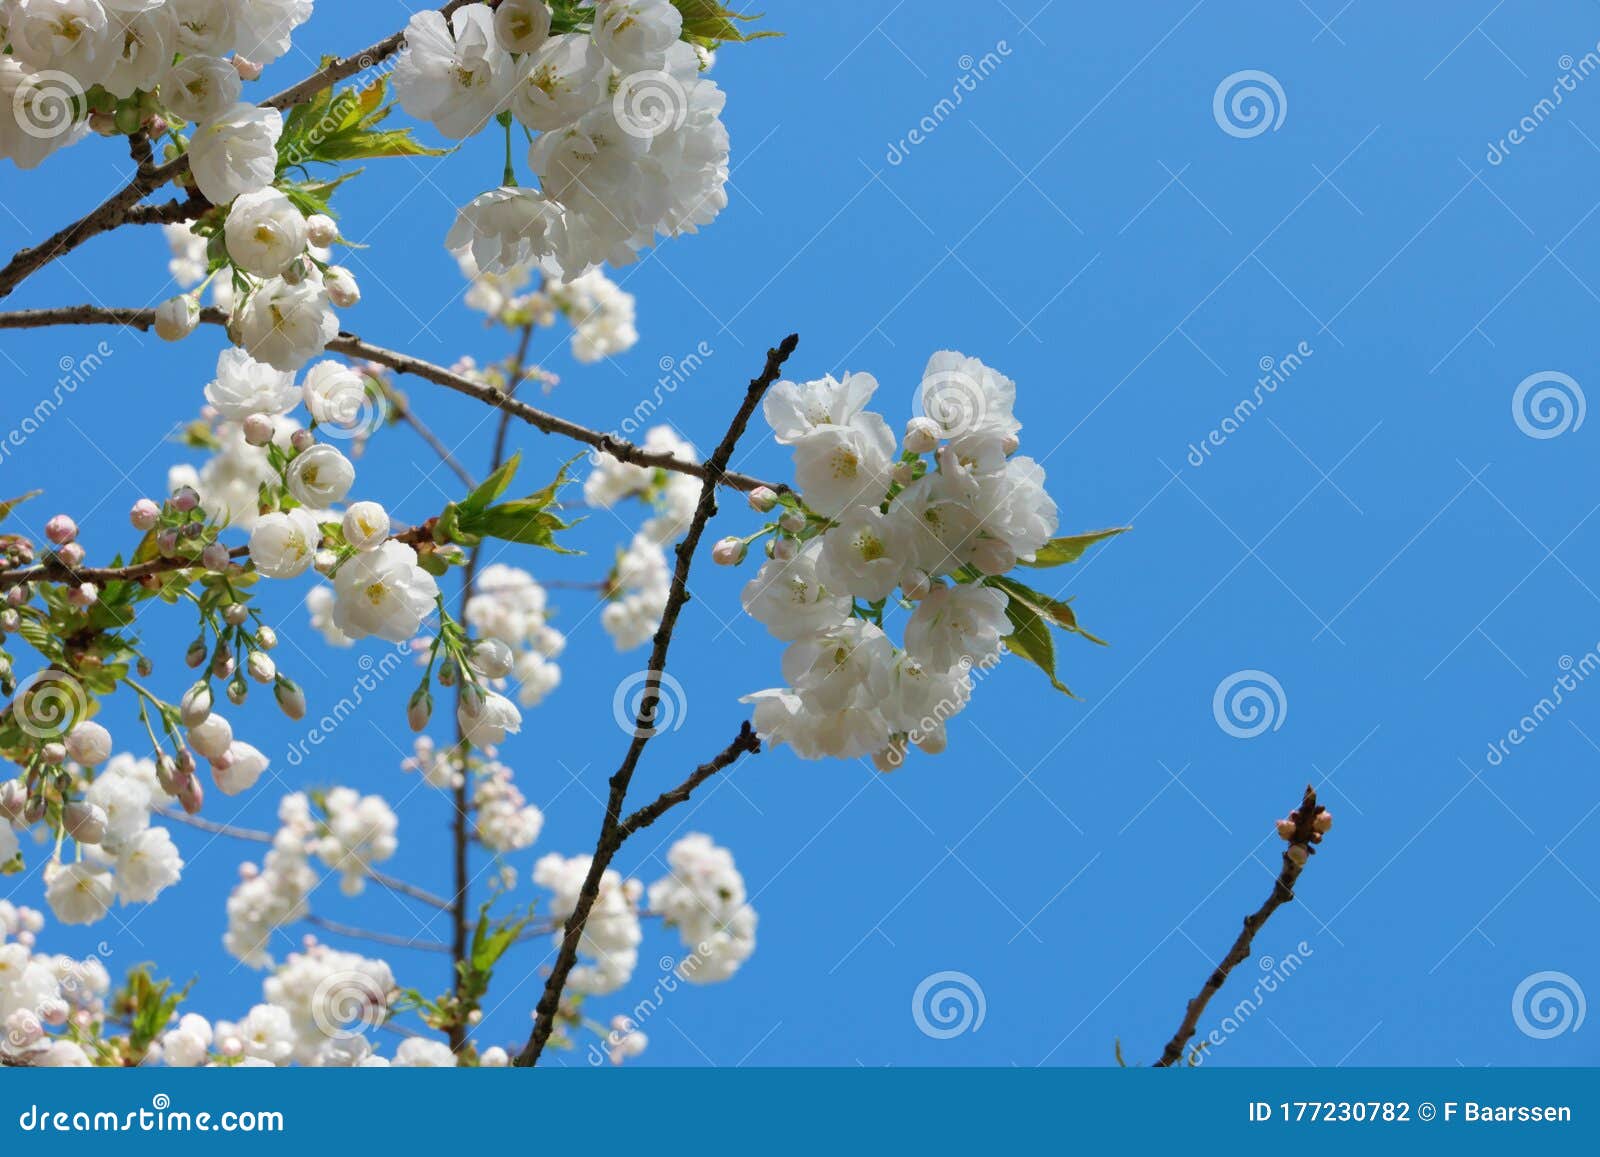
(195, 707)
(302, 440)
(922, 435)
(261, 667)
(247, 69)
(177, 317)
(728, 552)
(763, 499)
(1286, 829)
(419, 710)
(290, 698)
(144, 515)
(1323, 822)
(321, 230)
(1298, 854)
(61, 530)
(258, 429)
(215, 557)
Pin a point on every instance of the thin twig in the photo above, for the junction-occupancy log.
(259, 837)
(53, 570)
(116, 209)
(355, 933)
(403, 411)
(352, 346)
(745, 741)
(1295, 857)
(460, 832)
(612, 827)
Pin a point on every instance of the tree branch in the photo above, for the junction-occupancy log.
(746, 741)
(352, 346)
(612, 827)
(259, 837)
(116, 209)
(1307, 833)
(53, 570)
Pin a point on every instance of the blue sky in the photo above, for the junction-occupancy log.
(1379, 535)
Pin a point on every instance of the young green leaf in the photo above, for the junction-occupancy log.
(1059, 551)
(1030, 638)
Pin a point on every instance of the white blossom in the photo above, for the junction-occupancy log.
(320, 476)
(244, 386)
(201, 88)
(235, 152)
(284, 545)
(383, 592)
(265, 232)
(457, 76)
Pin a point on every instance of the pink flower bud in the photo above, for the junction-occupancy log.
(215, 557)
(321, 230)
(763, 499)
(185, 499)
(61, 529)
(302, 440)
(728, 552)
(247, 69)
(191, 795)
(144, 515)
(83, 596)
(1323, 822)
(258, 429)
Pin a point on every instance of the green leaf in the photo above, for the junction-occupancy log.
(336, 126)
(1030, 638)
(708, 23)
(529, 520)
(1051, 608)
(11, 504)
(493, 486)
(1059, 551)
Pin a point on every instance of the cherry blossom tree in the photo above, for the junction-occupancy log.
(891, 570)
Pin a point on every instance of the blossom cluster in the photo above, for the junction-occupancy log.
(630, 138)
(938, 521)
(39, 992)
(640, 580)
(126, 59)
